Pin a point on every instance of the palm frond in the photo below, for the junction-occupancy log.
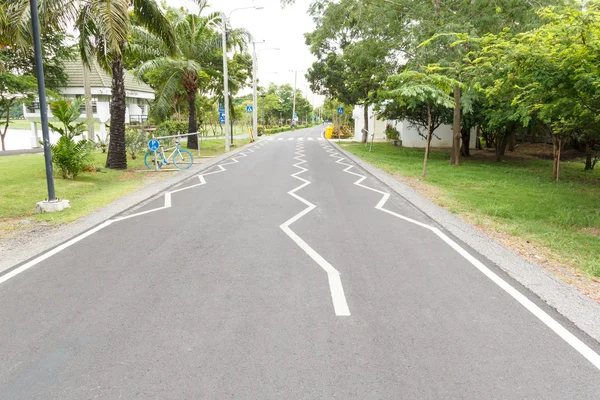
(152, 18)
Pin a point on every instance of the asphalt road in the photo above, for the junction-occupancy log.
(234, 285)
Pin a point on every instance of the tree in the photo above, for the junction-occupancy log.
(548, 75)
(104, 28)
(408, 94)
(69, 156)
(352, 64)
(13, 89)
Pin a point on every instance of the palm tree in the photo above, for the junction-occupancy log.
(15, 19)
(104, 27)
(198, 62)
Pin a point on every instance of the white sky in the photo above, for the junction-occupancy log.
(279, 28)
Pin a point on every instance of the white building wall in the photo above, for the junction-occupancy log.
(408, 134)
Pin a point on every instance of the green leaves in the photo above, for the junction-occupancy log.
(68, 113)
(413, 89)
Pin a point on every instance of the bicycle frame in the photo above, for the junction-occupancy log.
(161, 151)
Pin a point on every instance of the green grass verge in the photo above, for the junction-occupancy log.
(215, 147)
(519, 196)
(23, 183)
(26, 125)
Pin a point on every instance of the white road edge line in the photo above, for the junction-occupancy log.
(167, 204)
(338, 297)
(550, 322)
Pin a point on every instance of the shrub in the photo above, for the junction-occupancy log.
(391, 133)
(135, 141)
(170, 128)
(70, 157)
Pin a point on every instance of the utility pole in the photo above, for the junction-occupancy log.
(225, 81)
(224, 20)
(89, 113)
(294, 106)
(263, 109)
(254, 95)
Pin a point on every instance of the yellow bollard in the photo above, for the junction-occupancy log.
(328, 132)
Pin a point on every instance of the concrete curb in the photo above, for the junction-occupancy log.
(51, 239)
(565, 299)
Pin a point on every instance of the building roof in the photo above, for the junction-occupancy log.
(99, 78)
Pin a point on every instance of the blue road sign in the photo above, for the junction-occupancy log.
(221, 106)
(221, 110)
(222, 117)
(295, 116)
(340, 110)
(249, 109)
(153, 145)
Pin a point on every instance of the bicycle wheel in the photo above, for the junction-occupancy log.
(183, 159)
(149, 160)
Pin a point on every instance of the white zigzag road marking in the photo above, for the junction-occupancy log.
(335, 282)
(167, 204)
(550, 322)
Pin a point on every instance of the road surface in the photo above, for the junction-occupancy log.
(283, 273)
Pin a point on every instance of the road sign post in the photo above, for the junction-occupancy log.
(153, 145)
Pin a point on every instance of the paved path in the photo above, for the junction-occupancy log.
(276, 275)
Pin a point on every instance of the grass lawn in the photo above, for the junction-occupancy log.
(24, 124)
(517, 196)
(215, 147)
(23, 183)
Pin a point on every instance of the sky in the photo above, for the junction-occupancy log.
(279, 28)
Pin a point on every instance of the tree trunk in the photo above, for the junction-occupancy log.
(478, 138)
(117, 154)
(556, 147)
(192, 140)
(511, 141)
(466, 141)
(427, 142)
(501, 147)
(455, 157)
(3, 134)
(365, 134)
(588, 156)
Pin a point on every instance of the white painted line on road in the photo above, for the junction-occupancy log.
(338, 297)
(270, 138)
(291, 138)
(310, 138)
(52, 252)
(550, 322)
(300, 139)
(320, 138)
(166, 204)
(280, 138)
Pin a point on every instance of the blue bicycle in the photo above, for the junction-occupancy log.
(181, 158)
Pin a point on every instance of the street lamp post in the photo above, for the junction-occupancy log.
(254, 85)
(263, 108)
(226, 73)
(295, 87)
(39, 69)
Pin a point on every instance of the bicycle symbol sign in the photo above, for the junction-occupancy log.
(153, 145)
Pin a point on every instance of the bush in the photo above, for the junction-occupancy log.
(70, 157)
(170, 128)
(135, 141)
(391, 133)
